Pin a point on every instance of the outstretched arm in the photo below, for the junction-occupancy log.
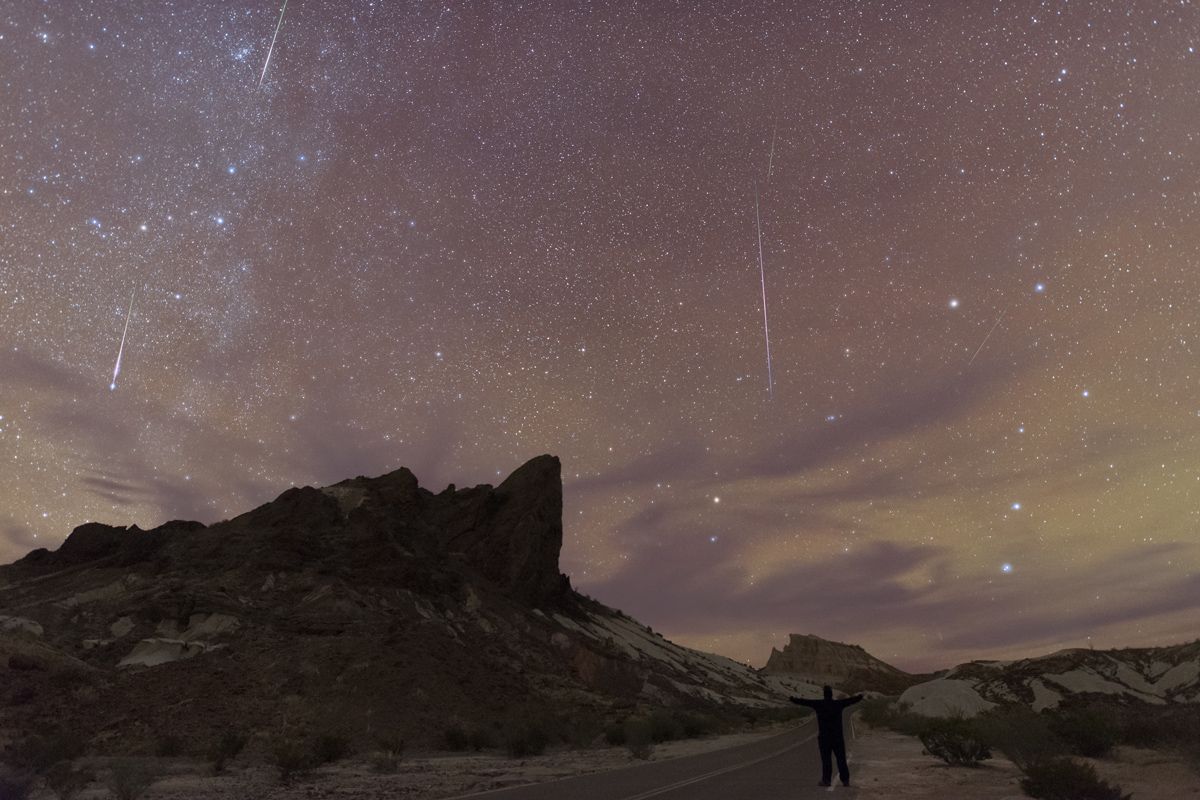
(800, 701)
(849, 701)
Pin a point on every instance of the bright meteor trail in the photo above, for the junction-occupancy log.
(271, 49)
(989, 335)
(762, 275)
(121, 351)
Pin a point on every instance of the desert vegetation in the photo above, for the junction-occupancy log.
(1046, 746)
(387, 755)
(129, 778)
(226, 748)
(639, 730)
(955, 740)
(1067, 779)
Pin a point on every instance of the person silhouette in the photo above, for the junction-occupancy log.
(830, 739)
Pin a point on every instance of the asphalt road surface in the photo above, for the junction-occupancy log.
(782, 767)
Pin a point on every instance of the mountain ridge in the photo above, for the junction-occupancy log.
(372, 602)
(1163, 675)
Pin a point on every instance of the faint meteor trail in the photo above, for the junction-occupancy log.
(771, 157)
(271, 49)
(762, 276)
(121, 351)
(989, 335)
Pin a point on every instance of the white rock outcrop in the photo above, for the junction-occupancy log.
(19, 625)
(945, 697)
(173, 644)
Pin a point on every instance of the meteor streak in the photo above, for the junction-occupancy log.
(771, 157)
(271, 49)
(120, 352)
(989, 335)
(762, 276)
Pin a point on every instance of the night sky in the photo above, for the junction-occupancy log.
(453, 236)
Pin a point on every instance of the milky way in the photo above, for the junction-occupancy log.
(453, 236)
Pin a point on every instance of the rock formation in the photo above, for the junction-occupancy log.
(369, 604)
(846, 666)
(1155, 675)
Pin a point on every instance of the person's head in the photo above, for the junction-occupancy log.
(828, 692)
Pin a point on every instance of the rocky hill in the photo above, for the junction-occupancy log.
(846, 666)
(1157, 675)
(371, 604)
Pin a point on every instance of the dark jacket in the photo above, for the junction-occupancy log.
(829, 714)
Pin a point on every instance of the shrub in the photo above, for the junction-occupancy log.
(1088, 731)
(39, 753)
(329, 747)
(290, 757)
(168, 746)
(390, 750)
(664, 726)
(480, 739)
(876, 711)
(525, 738)
(385, 762)
(1022, 735)
(65, 781)
(226, 749)
(389, 742)
(639, 738)
(129, 779)
(956, 741)
(694, 726)
(1170, 727)
(614, 733)
(1065, 779)
(456, 738)
(882, 712)
(583, 731)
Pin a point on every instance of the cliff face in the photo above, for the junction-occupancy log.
(509, 536)
(370, 603)
(847, 666)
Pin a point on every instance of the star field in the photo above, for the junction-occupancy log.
(453, 236)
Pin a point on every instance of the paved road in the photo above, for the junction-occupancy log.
(782, 767)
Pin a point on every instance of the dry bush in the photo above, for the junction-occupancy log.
(329, 747)
(226, 749)
(289, 755)
(388, 752)
(956, 741)
(129, 779)
(65, 781)
(1023, 735)
(456, 738)
(639, 738)
(481, 739)
(1066, 779)
(1090, 731)
(523, 738)
(168, 746)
